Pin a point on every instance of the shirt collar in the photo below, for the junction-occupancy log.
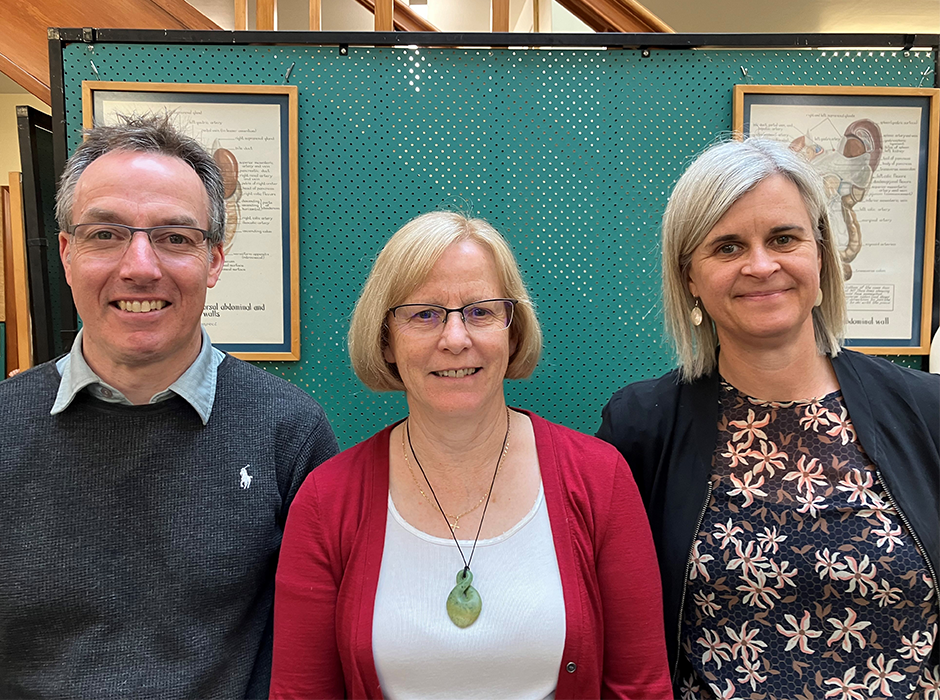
(196, 385)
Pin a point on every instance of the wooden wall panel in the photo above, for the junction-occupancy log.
(3, 256)
(384, 15)
(266, 15)
(315, 15)
(19, 351)
(241, 15)
(8, 297)
(500, 16)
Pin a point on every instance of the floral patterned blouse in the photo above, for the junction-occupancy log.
(805, 582)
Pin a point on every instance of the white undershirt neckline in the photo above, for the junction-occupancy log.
(449, 541)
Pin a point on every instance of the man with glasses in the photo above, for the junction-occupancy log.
(146, 475)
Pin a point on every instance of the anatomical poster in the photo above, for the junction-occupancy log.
(250, 131)
(872, 151)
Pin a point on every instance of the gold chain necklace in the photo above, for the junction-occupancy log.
(453, 520)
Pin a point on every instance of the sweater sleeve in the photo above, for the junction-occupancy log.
(306, 656)
(319, 446)
(635, 664)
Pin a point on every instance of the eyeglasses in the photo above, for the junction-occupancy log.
(111, 240)
(428, 319)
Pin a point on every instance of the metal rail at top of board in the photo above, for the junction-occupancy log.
(499, 39)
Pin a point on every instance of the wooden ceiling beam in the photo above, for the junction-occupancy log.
(616, 16)
(26, 80)
(405, 19)
(24, 42)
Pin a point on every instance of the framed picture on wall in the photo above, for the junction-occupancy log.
(876, 150)
(253, 311)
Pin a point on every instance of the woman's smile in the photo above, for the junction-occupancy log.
(457, 373)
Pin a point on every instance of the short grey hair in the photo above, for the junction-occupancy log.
(717, 179)
(146, 134)
(404, 264)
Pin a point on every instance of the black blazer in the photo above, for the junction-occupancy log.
(667, 430)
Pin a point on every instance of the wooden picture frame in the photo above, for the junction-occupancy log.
(876, 148)
(254, 311)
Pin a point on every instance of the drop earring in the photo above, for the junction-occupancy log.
(695, 315)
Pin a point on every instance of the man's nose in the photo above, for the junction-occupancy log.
(140, 261)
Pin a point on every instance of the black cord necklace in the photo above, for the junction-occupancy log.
(464, 603)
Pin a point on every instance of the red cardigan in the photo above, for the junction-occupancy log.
(332, 552)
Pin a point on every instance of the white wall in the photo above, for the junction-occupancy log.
(794, 16)
(9, 141)
(799, 16)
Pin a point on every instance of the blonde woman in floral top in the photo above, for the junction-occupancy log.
(791, 485)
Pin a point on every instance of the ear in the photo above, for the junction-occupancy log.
(693, 289)
(388, 353)
(65, 255)
(216, 261)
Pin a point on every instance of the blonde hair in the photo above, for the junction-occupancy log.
(717, 179)
(404, 264)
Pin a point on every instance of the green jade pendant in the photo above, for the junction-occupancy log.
(464, 603)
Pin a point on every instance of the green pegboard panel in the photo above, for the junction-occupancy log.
(570, 154)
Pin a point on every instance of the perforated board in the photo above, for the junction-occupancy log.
(570, 154)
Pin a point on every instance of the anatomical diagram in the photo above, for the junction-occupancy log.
(228, 164)
(847, 173)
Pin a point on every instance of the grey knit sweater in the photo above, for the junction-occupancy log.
(137, 546)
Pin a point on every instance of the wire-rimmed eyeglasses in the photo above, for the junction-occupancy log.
(485, 315)
(111, 240)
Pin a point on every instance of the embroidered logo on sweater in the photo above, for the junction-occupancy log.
(246, 477)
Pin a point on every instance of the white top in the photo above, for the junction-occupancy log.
(514, 648)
